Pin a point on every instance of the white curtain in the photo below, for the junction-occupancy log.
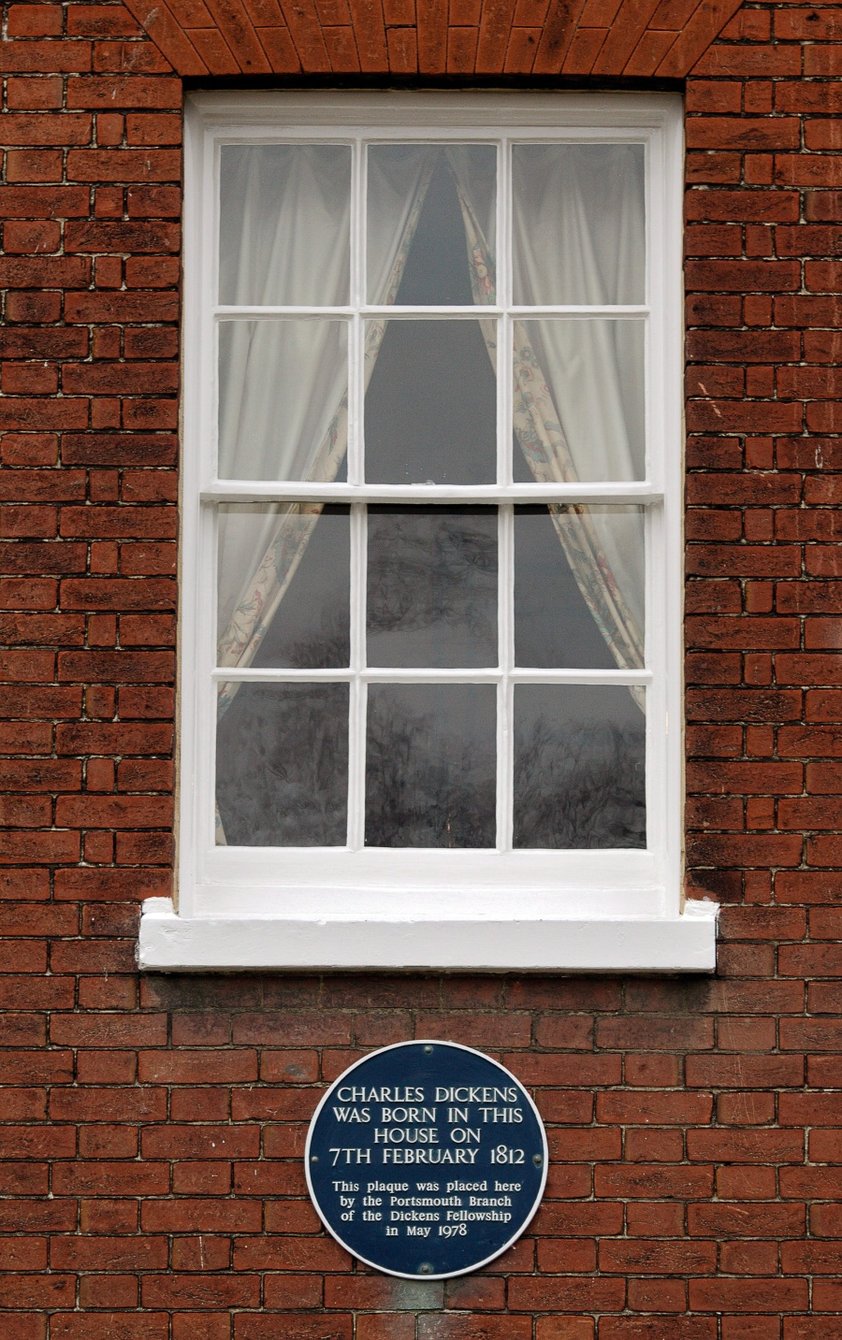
(578, 224)
(283, 384)
(578, 383)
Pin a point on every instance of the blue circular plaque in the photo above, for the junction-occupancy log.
(426, 1159)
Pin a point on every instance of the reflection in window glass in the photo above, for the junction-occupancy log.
(293, 561)
(432, 586)
(282, 766)
(579, 767)
(564, 617)
(430, 765)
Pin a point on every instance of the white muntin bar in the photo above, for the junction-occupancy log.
(614, 494)
(434, 675)
(505, 527)
(433, 311)
(505, 718)
(358, 691)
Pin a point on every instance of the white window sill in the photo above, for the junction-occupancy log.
(497, 943)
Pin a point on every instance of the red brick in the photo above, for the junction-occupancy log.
(385, 1326)
(565, 1292)
(657, 1258)
(101, 21)
(188, 1066)
(761, 1295)
(39, 94)
(184, 1214)
(660, 1327)
(629, 1109)
(750, 1072)
(748, 1147)
(248, 1326)
(109, 1326)
(443, 1327)
(742, 132)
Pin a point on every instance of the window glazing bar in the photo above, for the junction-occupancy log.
(431, 311)
(437, 675)
(229, 490)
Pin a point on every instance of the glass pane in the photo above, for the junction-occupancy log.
(579, 761)
(282, 765)
(432, 586)
(579, 399)
(284, 232)
(282, 585)
(283, 389)
(430, 765)
(579, 587)
(431, 405)
(431, 223)
(578, 216)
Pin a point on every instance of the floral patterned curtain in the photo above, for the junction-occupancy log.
(548, 454)
(260, 599)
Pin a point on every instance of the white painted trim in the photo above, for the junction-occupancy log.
(239, 114)
(518, 942)
(347, 908)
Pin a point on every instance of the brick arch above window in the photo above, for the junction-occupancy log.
(598, 38)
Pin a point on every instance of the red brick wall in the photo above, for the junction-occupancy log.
(151, 1130)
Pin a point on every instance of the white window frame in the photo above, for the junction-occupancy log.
(443, 909)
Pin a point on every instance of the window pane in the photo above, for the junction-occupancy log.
(579, 587)
(430, 765)
(579, 399)
(284, 233)
(282, 766)
(578, 217)
(431, 405)
(431, 223)
(283, 390)
(432, 586)
(579, 766)
(282, 585)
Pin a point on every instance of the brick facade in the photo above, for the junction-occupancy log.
(151, 1129)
